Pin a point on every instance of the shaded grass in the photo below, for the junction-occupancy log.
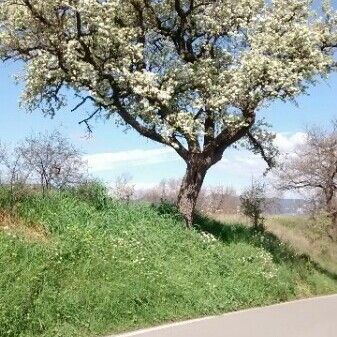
(126, 266)
(281, 252)
(309, 236)
(302, 234)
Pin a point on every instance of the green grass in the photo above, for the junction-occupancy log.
(303, 234)
(104, 270)
(309, 236)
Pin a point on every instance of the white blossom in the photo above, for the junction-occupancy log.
(238, 55)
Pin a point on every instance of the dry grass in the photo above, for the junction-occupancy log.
(303, 234)
(231, 219)
(13, 226)
(307, 237)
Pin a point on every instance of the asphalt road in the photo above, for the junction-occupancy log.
(315, 317)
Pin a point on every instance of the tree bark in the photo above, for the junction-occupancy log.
(190, 188)
(331, 210)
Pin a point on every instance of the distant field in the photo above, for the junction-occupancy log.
(71, 268)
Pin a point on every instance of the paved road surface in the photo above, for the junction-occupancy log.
(306, 318)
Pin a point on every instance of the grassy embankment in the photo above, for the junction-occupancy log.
(70, 268)
(302, 234)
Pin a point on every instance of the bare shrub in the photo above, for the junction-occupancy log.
(253, 203)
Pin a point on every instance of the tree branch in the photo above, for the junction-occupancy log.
(268, 158)
(145, 131)
(84, 100)
(226, 138)
(86, 120)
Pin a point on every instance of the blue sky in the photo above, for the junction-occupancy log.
(111, 151)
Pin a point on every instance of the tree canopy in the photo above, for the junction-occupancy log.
(184, 73)
(190, 74)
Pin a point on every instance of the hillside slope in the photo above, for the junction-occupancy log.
(70, 269)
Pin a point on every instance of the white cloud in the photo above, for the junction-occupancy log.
(246, 164)
(243, 164)
(107, 161)
(236, 168)
(288, 142)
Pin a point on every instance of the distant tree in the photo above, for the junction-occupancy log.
(170, 189)
(218, 199)
(163, 191)
(313, 168)
(190, 74)
(52, 160)
(253, 203)
(123, 188)
(14, 172)
(166, 190)
(221, 199)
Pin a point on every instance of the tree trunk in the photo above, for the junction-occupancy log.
(332, 212)
(332, 231)
(190, 188)
(333, 220)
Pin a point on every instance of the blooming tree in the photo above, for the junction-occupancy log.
(312, 168)
(52, 161)
(190, 74)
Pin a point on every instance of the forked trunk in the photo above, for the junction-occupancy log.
(190, 189)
